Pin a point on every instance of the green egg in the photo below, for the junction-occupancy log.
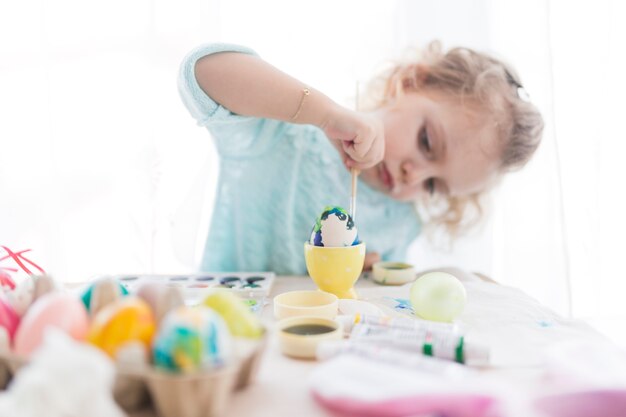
(438, 296)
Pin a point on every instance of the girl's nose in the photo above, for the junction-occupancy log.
(412, 174)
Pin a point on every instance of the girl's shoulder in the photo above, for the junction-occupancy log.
(202, 107)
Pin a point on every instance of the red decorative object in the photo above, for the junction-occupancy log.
(5, 278)
(21, 261)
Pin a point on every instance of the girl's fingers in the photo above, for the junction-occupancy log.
(358, 151)
(359, 139)
(371, 158)
(363, 143)
(375, 154)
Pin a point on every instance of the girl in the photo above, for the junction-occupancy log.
(443, 128)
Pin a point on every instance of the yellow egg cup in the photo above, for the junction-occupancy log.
(335, 270)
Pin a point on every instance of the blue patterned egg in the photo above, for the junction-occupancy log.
(334, 228)
(190, 339)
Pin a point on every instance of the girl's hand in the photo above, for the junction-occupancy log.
(358, 137)
(370, 259)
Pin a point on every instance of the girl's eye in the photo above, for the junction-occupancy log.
(429, 186)
(424, 142)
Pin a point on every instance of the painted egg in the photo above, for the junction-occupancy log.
(9, 318)
(124, 321)
(57, 309)
(105, 291)
(192, 338)
(240, 320)
(334, 228)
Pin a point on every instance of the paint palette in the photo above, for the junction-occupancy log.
(254, 287)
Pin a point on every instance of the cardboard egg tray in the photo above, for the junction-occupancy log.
(139, 385)
(199, 394)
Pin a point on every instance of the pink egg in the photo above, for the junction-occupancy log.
(9, 319)
(56, 309)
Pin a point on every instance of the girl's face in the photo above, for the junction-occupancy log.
(434, 145)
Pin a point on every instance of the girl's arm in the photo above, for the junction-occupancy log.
(249, 86)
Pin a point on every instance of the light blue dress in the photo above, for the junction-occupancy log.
(275, 178)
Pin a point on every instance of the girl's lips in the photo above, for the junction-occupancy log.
(385, 176)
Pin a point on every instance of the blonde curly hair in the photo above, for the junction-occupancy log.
(485, 83)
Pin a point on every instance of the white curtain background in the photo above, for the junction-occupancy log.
(102, 170)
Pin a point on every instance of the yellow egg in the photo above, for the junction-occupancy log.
(240, 320)
(126, 320)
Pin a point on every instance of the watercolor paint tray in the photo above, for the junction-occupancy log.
(249, 285)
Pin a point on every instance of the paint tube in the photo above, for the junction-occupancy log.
(430, 341)
(330, 349)
(349, 321)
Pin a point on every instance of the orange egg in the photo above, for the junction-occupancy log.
(126, 320)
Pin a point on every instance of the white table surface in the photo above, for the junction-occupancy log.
(281, 385)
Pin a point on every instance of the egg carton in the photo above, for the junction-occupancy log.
(138, 388)
(140, 385)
